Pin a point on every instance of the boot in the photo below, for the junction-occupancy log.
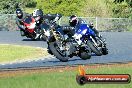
(37, 36)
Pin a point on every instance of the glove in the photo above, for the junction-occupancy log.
(47, 33)
(22, 27)
(77, 38)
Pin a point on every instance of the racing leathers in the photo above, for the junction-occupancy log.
(72, 29)
(19, 22)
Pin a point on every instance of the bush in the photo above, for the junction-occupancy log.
(65, 7)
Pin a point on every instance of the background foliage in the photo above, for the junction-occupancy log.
(65, 7)
(100, 8)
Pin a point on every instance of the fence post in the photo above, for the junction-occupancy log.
(96, 22)
(59, 21)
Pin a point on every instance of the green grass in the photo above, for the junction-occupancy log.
(65, 79)
(10, 53)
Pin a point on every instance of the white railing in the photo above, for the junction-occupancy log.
(7, 22)
(105, 24)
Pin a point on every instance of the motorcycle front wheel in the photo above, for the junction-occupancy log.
(94, 48)
(57, 52)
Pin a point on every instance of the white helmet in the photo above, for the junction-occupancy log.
(37, 12)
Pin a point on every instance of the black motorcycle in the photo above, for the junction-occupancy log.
(65, 47)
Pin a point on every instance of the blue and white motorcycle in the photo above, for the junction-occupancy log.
(84, 34)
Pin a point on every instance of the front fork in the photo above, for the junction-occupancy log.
(93, 40)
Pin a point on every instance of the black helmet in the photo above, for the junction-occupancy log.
(37, 12)
(19, 13)
(73, 20)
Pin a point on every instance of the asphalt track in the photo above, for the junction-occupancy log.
(119, 45)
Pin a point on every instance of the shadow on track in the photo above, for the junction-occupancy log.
(32, 40)
(57, 61)
(74, 59)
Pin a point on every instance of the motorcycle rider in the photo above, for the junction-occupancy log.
(74, 21)
(38, 15)
(44, 20)
(19, 18)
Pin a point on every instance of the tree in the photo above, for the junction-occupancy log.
(9, 6)
(129, 2)
(65, 7)
(122, 8)
(94, 8)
